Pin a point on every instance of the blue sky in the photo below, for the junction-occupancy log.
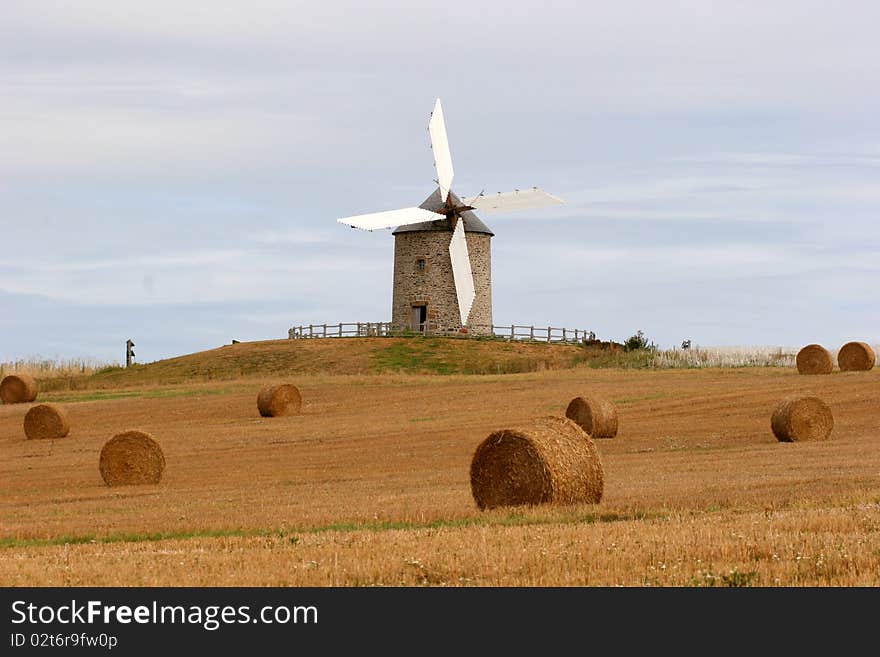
(172, 171)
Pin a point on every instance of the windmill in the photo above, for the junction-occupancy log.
(443, 279)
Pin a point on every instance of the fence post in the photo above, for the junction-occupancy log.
(311, 331)
(340, 330)
(564, 339)
(325, 330)
(532, 332)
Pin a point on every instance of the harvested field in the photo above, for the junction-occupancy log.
(370, 485)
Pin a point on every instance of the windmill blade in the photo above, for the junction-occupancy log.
(440, 146)
(461, 271)
(521, 199)
(390, 219)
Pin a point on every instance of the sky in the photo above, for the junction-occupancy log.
(172, 172)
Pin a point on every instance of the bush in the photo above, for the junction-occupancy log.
(636, 342)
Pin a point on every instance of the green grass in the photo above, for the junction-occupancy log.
(98, 395)
(630, 400)
(417, 355)
(476, 355)
(131, 537)
(510, 520)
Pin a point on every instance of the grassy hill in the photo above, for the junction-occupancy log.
(347, 356)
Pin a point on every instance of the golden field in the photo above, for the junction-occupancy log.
(370, 485)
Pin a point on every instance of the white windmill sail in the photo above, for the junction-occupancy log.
(440, 146)
(521, 199)
(461, 271)
(390, 219)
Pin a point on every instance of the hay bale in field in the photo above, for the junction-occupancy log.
(46, 421)
(856, 357)
(802, 418)
(814, 359)
(279, 400)
(548, 460)
(596, 416)
(131, 457)
(18, 388)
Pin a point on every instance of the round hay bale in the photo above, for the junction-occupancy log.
(279, 400)
(598, 417)
(46, 421)
(856, 357)
(18, 388)
(802, 418)
(131, 457)
(814, 359)
(548, 460)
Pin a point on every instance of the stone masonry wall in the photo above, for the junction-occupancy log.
(435, 286)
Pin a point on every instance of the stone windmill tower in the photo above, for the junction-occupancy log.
(442, 251)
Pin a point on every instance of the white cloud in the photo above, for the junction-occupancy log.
(305, 236)
(137, 140)
(216, 143)
(783, 159)
(217, 277)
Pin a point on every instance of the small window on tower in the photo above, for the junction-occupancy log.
(421, 263)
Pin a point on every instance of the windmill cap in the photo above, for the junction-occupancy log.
(472, 223)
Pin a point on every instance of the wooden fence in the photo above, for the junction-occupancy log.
(513, 332)
(350, 330)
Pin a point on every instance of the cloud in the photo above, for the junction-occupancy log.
(291, 237)
(784, 159)
(211, 276)
(160, 155)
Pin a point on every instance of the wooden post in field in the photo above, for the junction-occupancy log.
(532, 332)
(325, 330)
(129, 352)
(340, 329)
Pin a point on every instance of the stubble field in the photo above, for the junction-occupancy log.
(370, 485)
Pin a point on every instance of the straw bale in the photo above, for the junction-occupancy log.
(856, 357)
(802, 418)
(46, 421)
(279, 400)
(131, 457)
(596, 416)
(18, 388)
(549, 460)
(814, 359)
